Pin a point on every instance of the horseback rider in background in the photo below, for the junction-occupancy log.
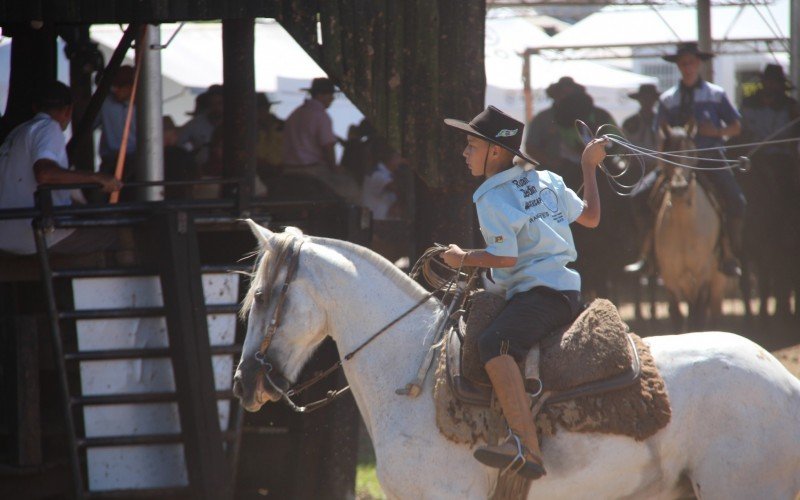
(694, 100)
(525, 218)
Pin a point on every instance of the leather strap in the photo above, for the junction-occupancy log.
(274, 323)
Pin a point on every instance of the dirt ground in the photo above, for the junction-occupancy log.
(790, 357)
(781, 337)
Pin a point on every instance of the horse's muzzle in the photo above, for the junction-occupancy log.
(253, 399)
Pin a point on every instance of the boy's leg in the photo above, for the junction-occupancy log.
(528, 317)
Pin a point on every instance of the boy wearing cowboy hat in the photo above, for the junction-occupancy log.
(694, 100)
(524, 216)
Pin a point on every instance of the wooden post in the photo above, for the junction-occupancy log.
(407, 65)
(239, 118)
(704, 41)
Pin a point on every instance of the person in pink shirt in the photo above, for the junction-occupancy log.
(308, 141)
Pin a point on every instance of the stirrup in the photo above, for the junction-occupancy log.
(519, 461)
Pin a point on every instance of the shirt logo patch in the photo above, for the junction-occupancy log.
(506, 132)
(549, 199)
(498, 239)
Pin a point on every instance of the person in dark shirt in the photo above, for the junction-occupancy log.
(179, 164)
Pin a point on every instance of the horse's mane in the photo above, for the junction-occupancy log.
(267, 267)
(265, 270)
(386, 268)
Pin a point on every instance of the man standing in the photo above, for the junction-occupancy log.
(308, 141)
(111, 121)
(35, 153)
(269, 147)
(694, 100)
(542, 138)
(640, 128)
(195, 135)
(768, 115)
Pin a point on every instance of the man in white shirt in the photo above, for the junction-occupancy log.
(35, 153)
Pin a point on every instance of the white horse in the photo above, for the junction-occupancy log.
(734, 433)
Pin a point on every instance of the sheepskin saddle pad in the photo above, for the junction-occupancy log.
(595, 347)
(595, 376)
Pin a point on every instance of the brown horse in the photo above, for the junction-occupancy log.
(686, 239)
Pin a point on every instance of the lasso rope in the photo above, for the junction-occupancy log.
(677, 158)
(437, 274)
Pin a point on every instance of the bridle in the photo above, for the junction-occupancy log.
(274, 378)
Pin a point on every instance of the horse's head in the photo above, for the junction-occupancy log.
(679, 140)
(302, 322)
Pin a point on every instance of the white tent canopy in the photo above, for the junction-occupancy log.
(637, 26)
(508, 37)
(193, 60)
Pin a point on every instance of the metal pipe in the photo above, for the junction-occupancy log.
(526, 85)
(704, 36)
(149, 113)
(794, 44)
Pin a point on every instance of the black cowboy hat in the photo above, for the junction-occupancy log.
(774, 72)
(645, 90)
(563, 83)
(321, 86)
(687, 48)
(494, 126)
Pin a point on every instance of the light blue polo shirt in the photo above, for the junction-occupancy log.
(526, 214)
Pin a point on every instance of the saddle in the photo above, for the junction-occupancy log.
(591, 379)
(592, 356)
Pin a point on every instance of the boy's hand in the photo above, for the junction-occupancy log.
(453, 256)
(594, 153)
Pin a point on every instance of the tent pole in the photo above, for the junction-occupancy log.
(794, 41)
(149, 112)
(526, 85)
(704, 36)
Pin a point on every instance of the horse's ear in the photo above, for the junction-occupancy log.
(262, 234)
(294, 231)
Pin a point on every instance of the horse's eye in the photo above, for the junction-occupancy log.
(259, 293)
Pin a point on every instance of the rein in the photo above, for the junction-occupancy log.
(293, 256)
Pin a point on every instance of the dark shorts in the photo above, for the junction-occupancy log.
(527, 318)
